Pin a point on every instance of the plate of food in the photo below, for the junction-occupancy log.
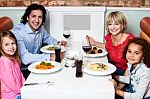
(99, 68)
(96, 52)
(45, 67)
(50, 49)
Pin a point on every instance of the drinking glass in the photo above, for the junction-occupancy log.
(57, 53)
(86, 46)
(66, 33)
(78, 64)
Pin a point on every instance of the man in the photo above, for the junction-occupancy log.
(31, 35)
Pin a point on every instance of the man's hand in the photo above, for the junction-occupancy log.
(63, 43)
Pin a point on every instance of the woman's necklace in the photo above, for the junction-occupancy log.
(116, 40)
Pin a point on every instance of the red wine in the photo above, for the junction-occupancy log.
(87, 48)
(66, 35)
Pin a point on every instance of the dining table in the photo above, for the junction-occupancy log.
(63, 84)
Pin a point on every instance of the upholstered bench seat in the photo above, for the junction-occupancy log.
(5, 24)
(145, 27)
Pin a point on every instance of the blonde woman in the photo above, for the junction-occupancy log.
(115, 40)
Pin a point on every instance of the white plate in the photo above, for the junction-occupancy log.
(104, 53)
(57, 67)
(44, 49)
(111, 69)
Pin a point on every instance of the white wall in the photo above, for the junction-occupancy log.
(15, 13)
(133, 16)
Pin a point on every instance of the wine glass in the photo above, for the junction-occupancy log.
(66, 33)
(86, 46)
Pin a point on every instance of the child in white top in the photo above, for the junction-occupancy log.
(137, 75)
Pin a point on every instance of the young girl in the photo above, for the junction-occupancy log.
(115, 40)
(10, 74)
(137, 79)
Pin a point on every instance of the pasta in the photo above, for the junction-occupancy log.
(97, 67)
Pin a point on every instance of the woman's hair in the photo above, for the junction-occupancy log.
(29, 9)
(145, 49)
(118, 18)
(10, 35)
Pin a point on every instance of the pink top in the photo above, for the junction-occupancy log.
(11, 78)
(115, 52)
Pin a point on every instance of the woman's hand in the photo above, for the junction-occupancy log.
(91, 40)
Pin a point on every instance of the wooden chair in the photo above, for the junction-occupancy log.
(5, 24)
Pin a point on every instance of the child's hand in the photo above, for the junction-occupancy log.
(119, 92)
(114, 82)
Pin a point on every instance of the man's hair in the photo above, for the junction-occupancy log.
(29, 9)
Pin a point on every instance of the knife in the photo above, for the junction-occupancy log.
(31, 84)
(48, 82)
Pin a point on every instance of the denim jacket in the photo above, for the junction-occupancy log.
(139, 79)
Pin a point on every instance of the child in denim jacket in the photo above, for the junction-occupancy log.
(137, 75)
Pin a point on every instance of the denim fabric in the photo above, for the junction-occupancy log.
(119, 72)
(129, 88)
(147, 97)
(138, 79)
(18, 97)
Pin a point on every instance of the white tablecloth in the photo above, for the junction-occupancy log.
(67, 86)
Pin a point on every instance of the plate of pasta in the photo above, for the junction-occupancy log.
(50, 49)
(99, 68)
(45, 67)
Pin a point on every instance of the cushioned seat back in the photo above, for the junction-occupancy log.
(145, 28)
(5, 24)
(145, 25)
